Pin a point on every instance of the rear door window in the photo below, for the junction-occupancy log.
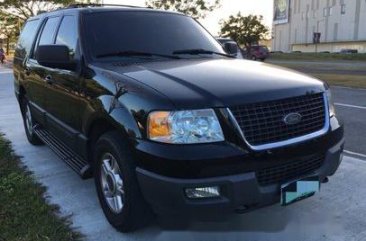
(26, 38)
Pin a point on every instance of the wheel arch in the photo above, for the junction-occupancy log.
(96, 129)
(118, 120)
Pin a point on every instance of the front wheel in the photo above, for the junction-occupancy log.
(117, 186)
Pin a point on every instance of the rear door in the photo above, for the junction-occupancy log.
(23, 48)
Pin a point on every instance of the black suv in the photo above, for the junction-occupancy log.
(149, 103)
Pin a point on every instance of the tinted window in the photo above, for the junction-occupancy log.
(26, 38)
(68, 33)
(151, 32)
(49, 31)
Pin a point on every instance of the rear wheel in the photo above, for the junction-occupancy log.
(29, 123)
(254, 57)
(117, 186)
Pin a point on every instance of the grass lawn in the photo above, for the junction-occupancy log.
(24, 213)
(346, 73)
(356, 81)
(318, 56)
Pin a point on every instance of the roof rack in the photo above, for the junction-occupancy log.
(85, 5)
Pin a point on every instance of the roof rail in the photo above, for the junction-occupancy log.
(85, 5)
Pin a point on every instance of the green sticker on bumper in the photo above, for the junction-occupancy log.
(299, 190)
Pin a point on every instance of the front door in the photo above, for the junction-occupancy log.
(63, 99)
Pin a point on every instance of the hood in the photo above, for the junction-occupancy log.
(208, 83)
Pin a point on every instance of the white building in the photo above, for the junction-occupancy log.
(341, 24)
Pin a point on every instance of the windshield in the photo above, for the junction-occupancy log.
(145, 32)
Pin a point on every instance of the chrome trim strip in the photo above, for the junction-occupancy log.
(295, 140)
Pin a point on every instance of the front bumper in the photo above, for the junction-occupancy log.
(238, 192)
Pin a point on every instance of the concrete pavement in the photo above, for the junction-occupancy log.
(351, 109)
(336, 214)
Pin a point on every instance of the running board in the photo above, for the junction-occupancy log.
(73, 160)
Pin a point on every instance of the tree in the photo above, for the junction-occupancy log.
(24, 9)
(245, 30)
(9, 29)
(13, 13)
(197, 9)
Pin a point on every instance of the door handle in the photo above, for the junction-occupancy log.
(27, 71)
(48, 79)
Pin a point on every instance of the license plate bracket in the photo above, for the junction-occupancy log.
(298, 190)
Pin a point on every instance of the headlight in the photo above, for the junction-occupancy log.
(185, 127)
(330, 103)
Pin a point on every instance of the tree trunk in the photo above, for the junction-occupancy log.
(7, 45)
(248, 48)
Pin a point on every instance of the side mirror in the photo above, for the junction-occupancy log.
(55, 56)
(231, 48)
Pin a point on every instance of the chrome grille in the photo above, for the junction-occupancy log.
(263, 123)
(287, 171)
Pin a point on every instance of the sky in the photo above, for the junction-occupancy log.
(229, 7)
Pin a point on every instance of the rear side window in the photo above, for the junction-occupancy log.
(68, 34)
(26, 38)
(49, 31)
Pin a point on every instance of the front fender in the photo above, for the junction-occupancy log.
(111, 112)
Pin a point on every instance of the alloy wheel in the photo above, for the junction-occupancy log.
(28, 120)
(112, 183)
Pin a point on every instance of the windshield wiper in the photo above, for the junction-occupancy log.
(201, 51)
(135, 53)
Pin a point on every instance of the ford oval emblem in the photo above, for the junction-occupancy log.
(292, 119)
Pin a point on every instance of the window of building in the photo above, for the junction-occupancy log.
(343, 9)
(335, 32)
(295, 35)
(330, 11)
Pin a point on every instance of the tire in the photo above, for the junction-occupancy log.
(29, 123)
(116, 184)
(254, 58)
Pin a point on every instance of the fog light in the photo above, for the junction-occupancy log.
(202, 192)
